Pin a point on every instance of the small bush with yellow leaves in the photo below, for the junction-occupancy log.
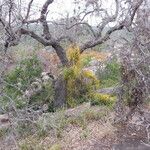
(102, 99)
(80, 83)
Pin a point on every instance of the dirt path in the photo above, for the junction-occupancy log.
(98, 134)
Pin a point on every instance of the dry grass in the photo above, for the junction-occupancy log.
(74, 132)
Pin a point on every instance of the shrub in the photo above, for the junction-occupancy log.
(45, 95)
(80, 82)
(20, 79)
(23, 74)
(102, 99)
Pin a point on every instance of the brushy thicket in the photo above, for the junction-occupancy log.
(19, 80)
(82, 84)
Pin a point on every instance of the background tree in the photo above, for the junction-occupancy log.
(135, 56)
(16, 24)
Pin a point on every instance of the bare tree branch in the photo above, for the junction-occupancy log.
(125, 23)
(28, 10)
(43, 19)
(47, 39)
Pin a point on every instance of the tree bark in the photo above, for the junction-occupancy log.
(60, 86)
(60, 89)
(61, 53)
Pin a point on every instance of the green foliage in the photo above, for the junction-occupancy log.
(109, 77)
(45, 95)
(25, 72)
(102, 99)
(80, 82)
(20, 79)
(111, 74)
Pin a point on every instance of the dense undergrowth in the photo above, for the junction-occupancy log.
(20, 80)
(82, 86)
(81, 83)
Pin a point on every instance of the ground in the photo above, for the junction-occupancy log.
(93, 130)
